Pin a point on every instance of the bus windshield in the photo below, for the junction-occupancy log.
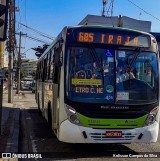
(101, 75)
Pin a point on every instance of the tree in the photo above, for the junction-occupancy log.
(40, 50)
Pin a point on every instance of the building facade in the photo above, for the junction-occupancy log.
(28, 67)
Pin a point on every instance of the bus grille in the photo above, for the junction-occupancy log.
(102, 137)
(119, 114)
(93, 110)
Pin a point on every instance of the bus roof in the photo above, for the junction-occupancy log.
(108, 27)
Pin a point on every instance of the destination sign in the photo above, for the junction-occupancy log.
(88, 90)
(113, 39)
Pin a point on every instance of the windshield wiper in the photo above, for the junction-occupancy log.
(130, 65)
(97, 60)
(138, 50)
(95, 57)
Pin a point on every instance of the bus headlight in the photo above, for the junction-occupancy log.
(72, 115)
(151, 117)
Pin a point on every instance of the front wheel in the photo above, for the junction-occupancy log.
(49, 117)
(39, 110)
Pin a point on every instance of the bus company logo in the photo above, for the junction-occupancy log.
(115, 107)
(94, 121)
(126, 121)
(131, 122)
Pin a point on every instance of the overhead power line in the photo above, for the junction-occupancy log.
(36, 39)
(144, 10)
(39, 32)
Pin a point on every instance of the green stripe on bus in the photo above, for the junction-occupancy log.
(112, 123)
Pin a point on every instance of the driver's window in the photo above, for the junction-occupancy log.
(148, 73)
(125, 69)
(146, 68)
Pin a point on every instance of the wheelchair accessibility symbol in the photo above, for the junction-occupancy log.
(109, 53)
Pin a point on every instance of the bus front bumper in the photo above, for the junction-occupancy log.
(72, 133)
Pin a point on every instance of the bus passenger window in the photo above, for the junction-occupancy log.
(57, 67)
(49, 64)
(52, 64)
(56, 75)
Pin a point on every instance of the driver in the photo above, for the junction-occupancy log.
(128, 74)
(119, 74)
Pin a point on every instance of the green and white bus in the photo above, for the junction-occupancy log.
(99, 84)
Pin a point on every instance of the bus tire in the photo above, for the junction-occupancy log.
(39, 110)
(49, 116)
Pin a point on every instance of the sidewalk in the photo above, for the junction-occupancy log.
(9, 127)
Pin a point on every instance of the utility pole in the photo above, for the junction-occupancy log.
(11, 42)
(19, 64)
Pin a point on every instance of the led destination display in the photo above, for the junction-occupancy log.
(113, 39)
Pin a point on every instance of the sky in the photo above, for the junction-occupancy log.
(51, 16)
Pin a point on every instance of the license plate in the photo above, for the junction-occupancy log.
(113, 134)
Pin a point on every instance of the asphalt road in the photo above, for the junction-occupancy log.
(36, 137)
